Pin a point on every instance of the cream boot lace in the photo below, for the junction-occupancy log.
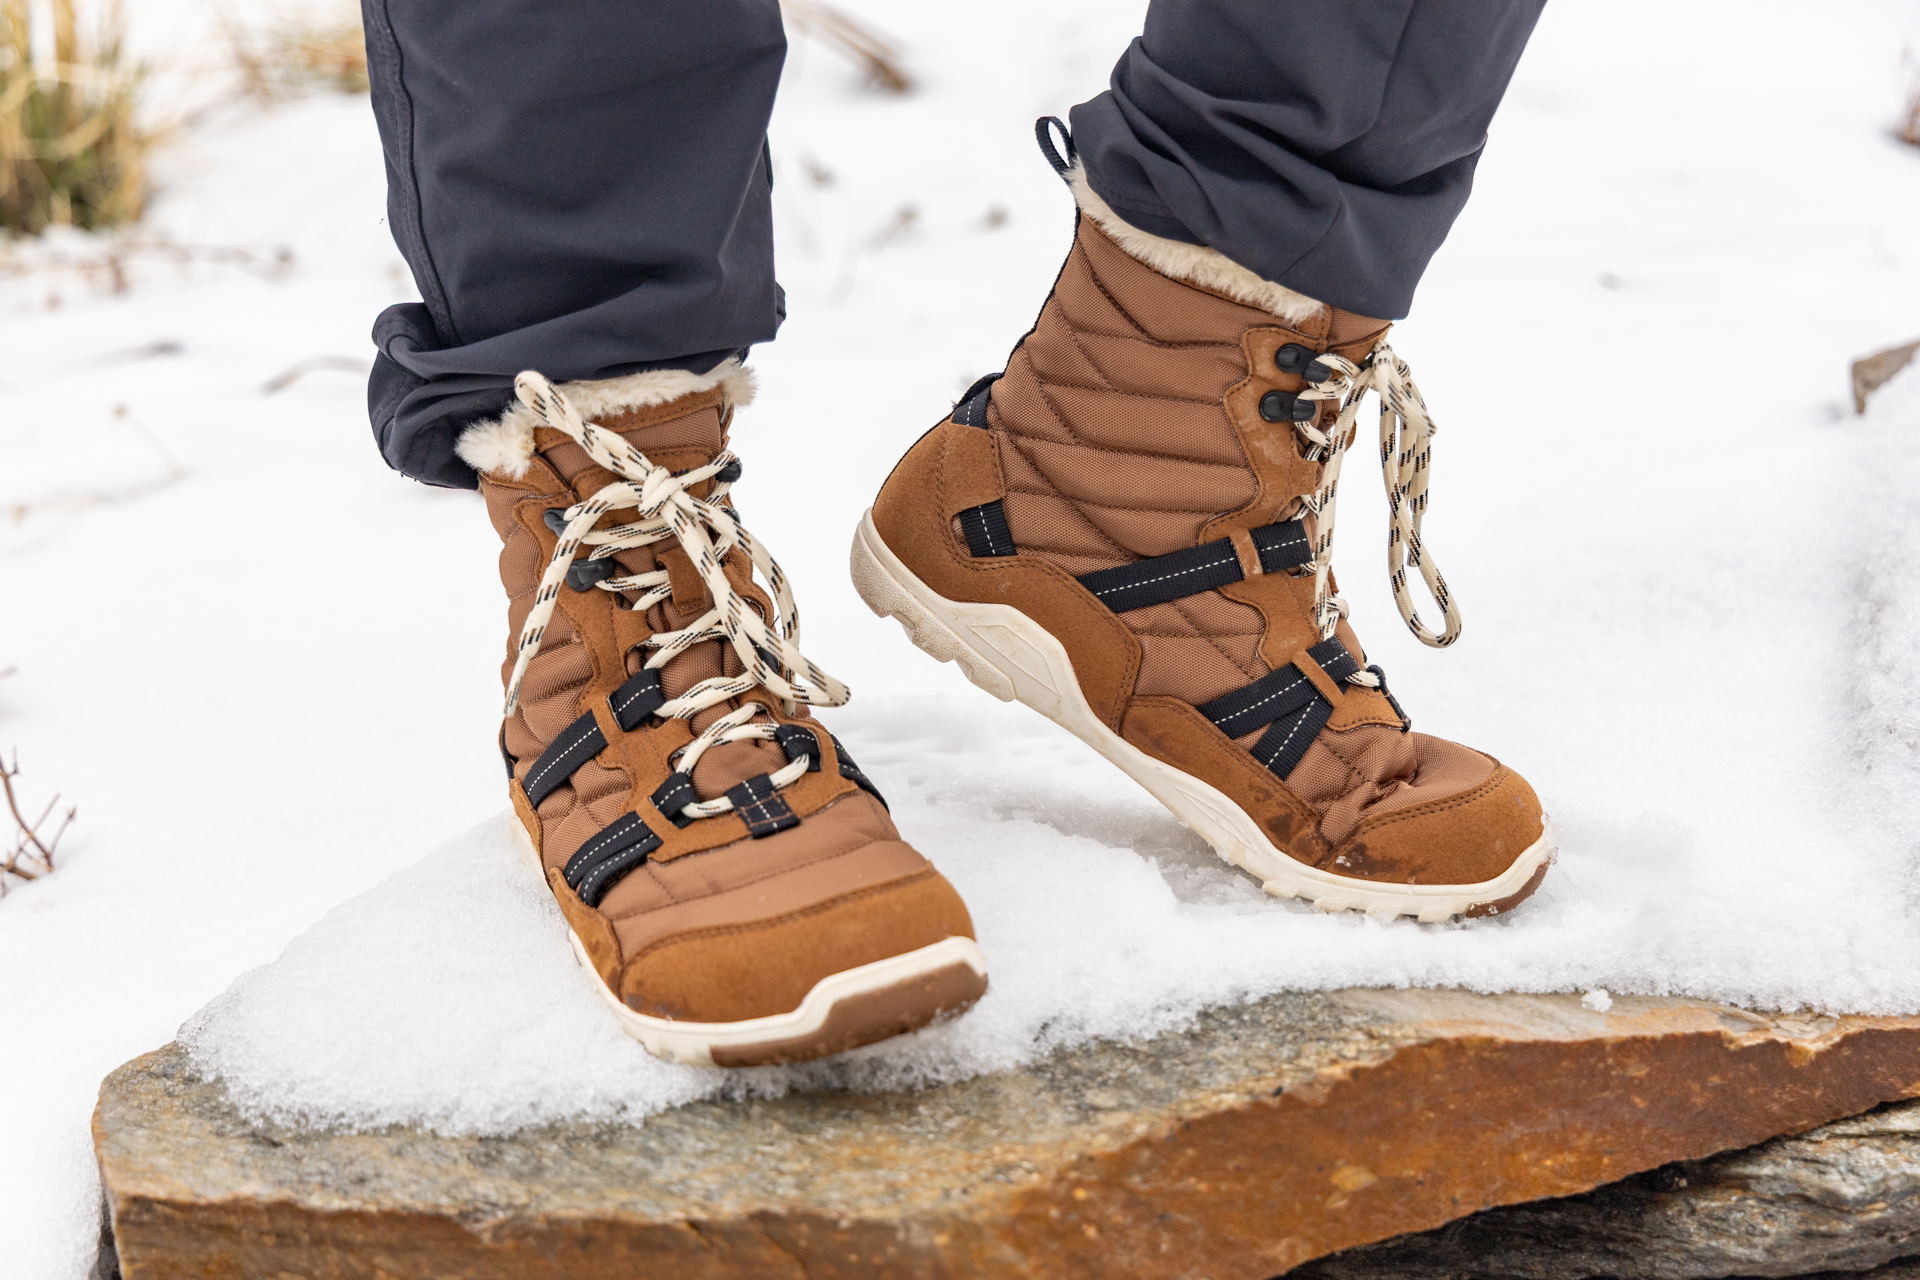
(1406, 451)
(707, 529)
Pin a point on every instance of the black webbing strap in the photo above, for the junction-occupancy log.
(985, 528)
(637, 699)
(506, 754)
(766, 811)
(971, 409)
(1293, 710)
(675, 794)
(1273, 695)
(1282, 546)
(616, 849)
(578, 743)
(851, 772)
(1207, 567)
(798, 741)
(1158, 579)
(1287, 739)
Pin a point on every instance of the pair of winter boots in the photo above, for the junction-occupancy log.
(1128, 530)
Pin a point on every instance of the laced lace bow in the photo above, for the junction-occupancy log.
(1406, 452)
(707, 530)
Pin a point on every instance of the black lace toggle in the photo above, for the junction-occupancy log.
(1278, 406)
(1300, 362)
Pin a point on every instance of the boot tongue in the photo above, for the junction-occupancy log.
(1346, 333)
(1346, 327)
(678, 436)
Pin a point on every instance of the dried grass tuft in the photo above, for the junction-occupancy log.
(294, 54)
(71, 153)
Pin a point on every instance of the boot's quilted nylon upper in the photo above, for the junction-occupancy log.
(1115, 448)
(1124, 428)
(711, 902)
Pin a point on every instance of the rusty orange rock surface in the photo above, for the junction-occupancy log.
(1265, 1136)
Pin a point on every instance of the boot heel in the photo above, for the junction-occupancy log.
(888, 597)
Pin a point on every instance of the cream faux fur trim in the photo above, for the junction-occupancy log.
(504, 445)
(1193, 263)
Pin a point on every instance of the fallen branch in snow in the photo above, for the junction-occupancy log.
(859, 43)
(29, 853)
(174, 473)
(109, 267)
(312, 364)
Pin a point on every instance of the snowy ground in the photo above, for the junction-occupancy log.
(1688, 575)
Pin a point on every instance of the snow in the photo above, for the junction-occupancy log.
(1687, 572)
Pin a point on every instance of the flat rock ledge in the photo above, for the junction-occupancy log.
(1841, 1200)
(1263, 1137)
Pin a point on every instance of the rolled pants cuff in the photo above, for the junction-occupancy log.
(580, 187)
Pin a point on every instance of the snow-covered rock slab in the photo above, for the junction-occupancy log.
(1262, 1137)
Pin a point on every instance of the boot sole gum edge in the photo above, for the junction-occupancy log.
(1014, 658)
(844, 1010)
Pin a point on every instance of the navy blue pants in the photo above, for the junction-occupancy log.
(582, 186)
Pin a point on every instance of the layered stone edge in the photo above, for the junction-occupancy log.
(1200, 1159)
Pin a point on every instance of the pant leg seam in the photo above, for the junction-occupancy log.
(427, 276)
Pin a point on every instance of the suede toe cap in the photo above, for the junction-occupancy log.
(1468, 838)
(754, 969)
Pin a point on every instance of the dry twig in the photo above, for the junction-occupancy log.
(113, 266)
(1910, 128)
(880, 57)
(28, 854)
(172, 474)
(1870, 373)
(312, 364)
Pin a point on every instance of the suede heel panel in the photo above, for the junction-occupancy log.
(753, 971)
(1104, 653)
(1462, 839)
(970, 471)
(1171, 731)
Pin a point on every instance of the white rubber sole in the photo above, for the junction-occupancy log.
(1013, 658)
(695, 1043)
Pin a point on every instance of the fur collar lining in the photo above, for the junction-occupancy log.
(1195, 264)
(504, 445)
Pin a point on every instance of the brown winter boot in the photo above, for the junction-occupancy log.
(1129, 531)
(726, 869)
